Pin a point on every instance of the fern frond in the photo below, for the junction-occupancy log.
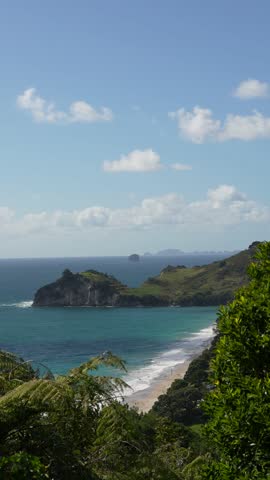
(107, 359)
(112, 384)
(37, 393)
(13, 366)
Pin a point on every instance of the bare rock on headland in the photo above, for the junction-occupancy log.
(90, 288)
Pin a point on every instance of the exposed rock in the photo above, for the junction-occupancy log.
(90, 288)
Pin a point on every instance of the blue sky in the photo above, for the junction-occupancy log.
(133, 126)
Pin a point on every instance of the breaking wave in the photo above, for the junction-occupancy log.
(142, 378)
(23, 304)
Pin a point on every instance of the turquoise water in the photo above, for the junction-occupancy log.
(151, 340)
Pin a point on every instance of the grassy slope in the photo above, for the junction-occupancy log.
(103, 279)
(203, 285)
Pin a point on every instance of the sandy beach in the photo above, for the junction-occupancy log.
(145, 399)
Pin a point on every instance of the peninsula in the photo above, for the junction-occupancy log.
(206, 285)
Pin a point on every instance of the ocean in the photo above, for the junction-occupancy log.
(150, 340)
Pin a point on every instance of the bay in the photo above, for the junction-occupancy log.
(150, 340)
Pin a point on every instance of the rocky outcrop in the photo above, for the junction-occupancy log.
(90, 289)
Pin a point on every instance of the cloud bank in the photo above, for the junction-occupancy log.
(199, 126)
(43, 111)
(224, 206)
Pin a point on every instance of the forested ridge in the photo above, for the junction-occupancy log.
(213, 424)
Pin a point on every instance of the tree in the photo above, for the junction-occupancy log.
(181, 403)
(239, 405)
(22, 466)
(52, 420)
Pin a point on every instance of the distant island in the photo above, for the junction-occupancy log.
(134, 257)
(175, 252)
(206, 285)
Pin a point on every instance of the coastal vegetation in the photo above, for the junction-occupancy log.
(214, 424)
(182, 402)
(207, 285)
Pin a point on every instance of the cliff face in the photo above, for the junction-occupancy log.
(88, 289)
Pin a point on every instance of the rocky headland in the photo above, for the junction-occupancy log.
(206, 285)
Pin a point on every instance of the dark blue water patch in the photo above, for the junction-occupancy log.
(83, 349)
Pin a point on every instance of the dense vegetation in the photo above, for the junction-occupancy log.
(239, 405)
(182, 401)
(73, 426)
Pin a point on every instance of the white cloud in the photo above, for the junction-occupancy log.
(181, 167)
(45, 112)
(252, 88)
(196, 125)
(224, 194)
(199, 126)
(83, 112)
(135, 161)
(245, 127)
(222, 206)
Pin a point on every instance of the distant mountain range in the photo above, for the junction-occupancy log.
(175, 252)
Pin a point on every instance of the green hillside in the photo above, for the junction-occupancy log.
(211, 284)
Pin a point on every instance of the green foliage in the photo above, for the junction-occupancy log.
(239, 405)
(134, 446)
(103, 280)
(55, 419)
(181, 403)
(22, 466)
(13, 371)
(193, 470)
(198, 370)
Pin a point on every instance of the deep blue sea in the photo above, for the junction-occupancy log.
(151, 340)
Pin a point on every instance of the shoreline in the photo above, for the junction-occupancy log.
(143, 400)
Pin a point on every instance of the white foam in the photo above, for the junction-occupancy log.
(24, 304)
(198, 338)
(142, 378)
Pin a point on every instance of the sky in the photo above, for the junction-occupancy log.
(133, 126)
